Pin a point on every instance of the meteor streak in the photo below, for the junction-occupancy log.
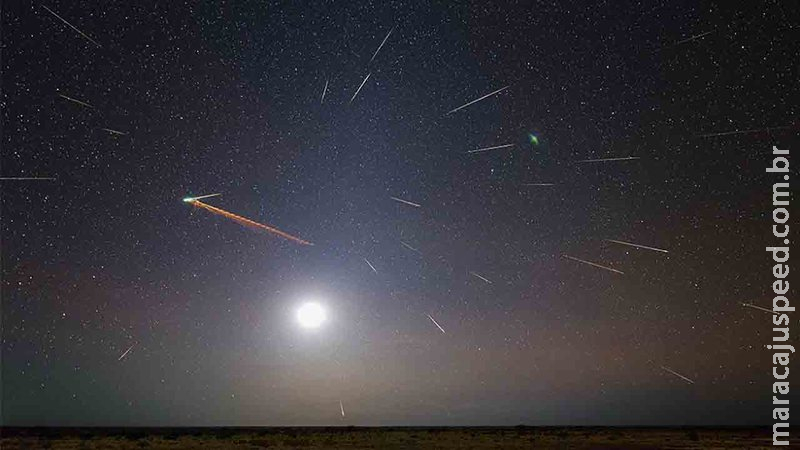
(755, 130)
(409, 247)
(537, 184)
(479, 99)
(381, 46)
(245, 221)
(627, 158)
(191, 199)
(370, 265)
(341, 407)
(436, 323)
(698, 36)
(482, 278)
(76, 101)
(126, 352)
(71, 26)
(637, 245)
(758, 307)
(359, 88)
(677, 374)
(406, 202)
(114, 131)
(486, 149)
(594, 264)
(324, 90)
(25, 178)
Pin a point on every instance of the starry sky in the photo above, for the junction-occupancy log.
(226, 97)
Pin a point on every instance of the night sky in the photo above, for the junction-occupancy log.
(227, 98)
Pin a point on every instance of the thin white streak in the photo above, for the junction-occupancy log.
(359, 88)
(594, 264)
(627, 158)
(436, 323)
(479, 99)
(749, 305)
(677, 374)
(637, 245)
(482, 278)
(381, 46)
(416, 205)
(486, 149)
(71, 26)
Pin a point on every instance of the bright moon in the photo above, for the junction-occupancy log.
(311, 315)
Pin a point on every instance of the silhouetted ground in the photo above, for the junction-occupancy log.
(386, 438)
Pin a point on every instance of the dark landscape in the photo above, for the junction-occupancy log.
(388, 437)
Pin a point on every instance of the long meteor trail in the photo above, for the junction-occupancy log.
(436, 323)
(692, 38)
(750, 305)
(677, 375)
(115, 132)
(755, 130)
(324, 90)
(71, 26)
(626, 158)
(126, 352)
(416, 205)
(191, 199)
(594, 264)
(27, 179)
(479, 99)
(482, 278)
(359, 88)
(245, 221)
(381, 46)
(370, 265)
(637, 245)
(486, 149)
(76, 101)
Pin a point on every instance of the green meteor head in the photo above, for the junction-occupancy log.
(188, 199)
(533, 139)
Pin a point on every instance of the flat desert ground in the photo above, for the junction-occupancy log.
(521, 437)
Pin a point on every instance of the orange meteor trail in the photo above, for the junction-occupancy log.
(246, 222)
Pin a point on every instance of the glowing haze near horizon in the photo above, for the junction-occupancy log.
(227, 98)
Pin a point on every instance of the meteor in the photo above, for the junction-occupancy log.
(359, 88)
(627, 158)
(406, 202)
(26, 178)
(486, 149)
(381, 46)
(692, 38)
(126, 352)
(748, 305)
(479, 99)
(76, 101)
(677, 374)
(409, 247)
(537, 184)
(482, 278)
(114, 131)
(244, 221)
(436, 323)
(594, 264)
(756, 130)
(637, 245)
(370, 265)
(71, 26)
(191, 199)
(341, 407)
(324, 90)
